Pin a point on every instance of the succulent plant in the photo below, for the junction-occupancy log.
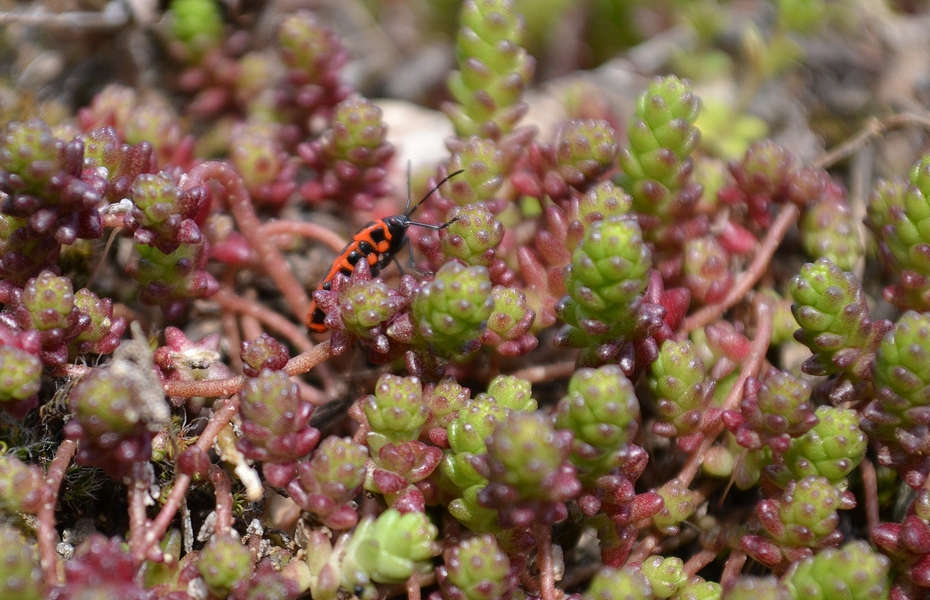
(100, 568)
(657, 162)
(20, 381)
(802, 518)
(351, 156)
(665, 575)
(774, 410)
(853, 571)
(476, 569)
(678, 383)
(830, 232)
(451, 311)
(41, 177)
(894, 416)
(488, 447)
(21, 486)
(835, 321)
(529, 476)
(601, 411)
(111, 421)
(21, 576)
(906, 544)
(395, 412)
(224, 564)
(582, 152)
(494, 70)
(275, 425)
(605, 283)
(389, 549)
(832, 448)
(328, 483)
(618, 584)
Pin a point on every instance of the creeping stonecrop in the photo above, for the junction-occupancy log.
(606, 342)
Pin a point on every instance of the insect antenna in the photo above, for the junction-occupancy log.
(430, 193)
(407, 210)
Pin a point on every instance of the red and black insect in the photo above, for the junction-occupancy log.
(378, 243)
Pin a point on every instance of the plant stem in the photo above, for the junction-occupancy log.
(231, 324)
(644, 549)
(306, 361)
(873, 129)
(139, 487)
(46, 533)
(541, 373)
(413, 587)
(733, 566)
(251, 228)
(161, 523)
(750, 276)
(751, 367)
(292, 333)
(700, 560)
(545, 562)
(308, 230)
(224, 501)
(214, 388)
(870, 491)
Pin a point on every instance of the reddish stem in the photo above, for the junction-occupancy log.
(579, 574)
(46, 534)
(699, 561)
(528, 583)
(870, 490)
(214, 388)
(751, 367)
(874, 128)
(139, 488)
(231, 325)
(233, 340)
(413, 587)
(545, 561)
(251, 228)
(224, 501)
(644, 549)
(255, 547)
(252, 328)
(540, 373)
(306, 361)
(733, 567)
(394, 590)
(308, 230)
(750, 276)
(159, 526)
